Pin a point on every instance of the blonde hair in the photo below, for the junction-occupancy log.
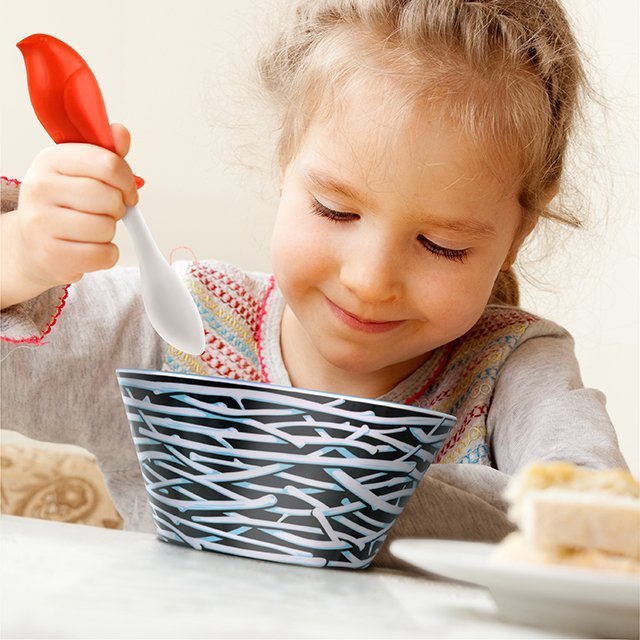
(507, 72)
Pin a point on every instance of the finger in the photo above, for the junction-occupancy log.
(87, 160)
(79, 226)
(87, 195)
(121, 139)
(83, 257)
(122, 143)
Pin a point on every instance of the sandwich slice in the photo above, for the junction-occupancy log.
(574, 516)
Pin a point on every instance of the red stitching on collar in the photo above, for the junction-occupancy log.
(261, 315)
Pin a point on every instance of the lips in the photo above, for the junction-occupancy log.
(360, 324)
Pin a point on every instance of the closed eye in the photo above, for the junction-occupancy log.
(458, 255)
(337, 216)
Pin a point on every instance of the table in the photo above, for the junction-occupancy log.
(73, 581)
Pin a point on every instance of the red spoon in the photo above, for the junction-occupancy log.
(68, 102)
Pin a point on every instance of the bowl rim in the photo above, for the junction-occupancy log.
(269, 385)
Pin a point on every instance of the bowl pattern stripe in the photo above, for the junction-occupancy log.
(275, 473)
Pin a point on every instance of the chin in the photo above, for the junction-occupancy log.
(356, 360)
(348, 361)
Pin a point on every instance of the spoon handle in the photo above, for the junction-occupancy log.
(146, 247)
(169, 305)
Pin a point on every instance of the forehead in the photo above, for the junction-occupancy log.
(367, 140)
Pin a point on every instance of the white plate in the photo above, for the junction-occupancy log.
(595, 603)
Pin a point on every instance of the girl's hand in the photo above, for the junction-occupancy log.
(69, 203)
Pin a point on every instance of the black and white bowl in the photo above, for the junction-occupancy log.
(276, 473)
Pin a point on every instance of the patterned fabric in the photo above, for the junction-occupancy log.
(63, 484)
(466, 385)
(232, 307)
(241, 314)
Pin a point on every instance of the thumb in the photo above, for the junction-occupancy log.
(121, 139)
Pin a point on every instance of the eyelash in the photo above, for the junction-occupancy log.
(334, 216)
(458, 255)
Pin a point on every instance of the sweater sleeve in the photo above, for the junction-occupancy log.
(65, 390)
(58, 355)
(452, 502)
(541, 410)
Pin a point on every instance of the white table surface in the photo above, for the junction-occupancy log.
(72, 581)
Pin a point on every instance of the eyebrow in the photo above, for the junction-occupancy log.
(467, 225)
(326, 182)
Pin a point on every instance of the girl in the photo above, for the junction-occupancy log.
(420, 142)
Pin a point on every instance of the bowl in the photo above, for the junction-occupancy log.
(276, 473)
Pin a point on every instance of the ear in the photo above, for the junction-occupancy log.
(523, 231)
(527, 226)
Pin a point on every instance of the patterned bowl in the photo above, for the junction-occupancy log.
(276, 473)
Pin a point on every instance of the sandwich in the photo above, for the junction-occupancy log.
(574, 516)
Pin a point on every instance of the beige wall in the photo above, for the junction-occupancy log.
(174, 74)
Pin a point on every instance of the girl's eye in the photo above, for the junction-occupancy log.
(337, 216)
(458, 255)
(450, 254)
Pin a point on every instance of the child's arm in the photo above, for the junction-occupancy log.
(58, 373)
(65, 390)
(541, 410)
(452, 502)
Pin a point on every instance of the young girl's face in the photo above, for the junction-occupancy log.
(387, 244)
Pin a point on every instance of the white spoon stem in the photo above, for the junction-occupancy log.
(169, 305)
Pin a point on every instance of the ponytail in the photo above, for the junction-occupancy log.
(506, 290)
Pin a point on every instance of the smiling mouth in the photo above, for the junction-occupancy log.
(366, 326)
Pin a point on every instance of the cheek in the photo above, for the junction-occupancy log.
(299, 246)
(455, 296)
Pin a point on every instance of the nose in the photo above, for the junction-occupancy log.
(373, 273)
